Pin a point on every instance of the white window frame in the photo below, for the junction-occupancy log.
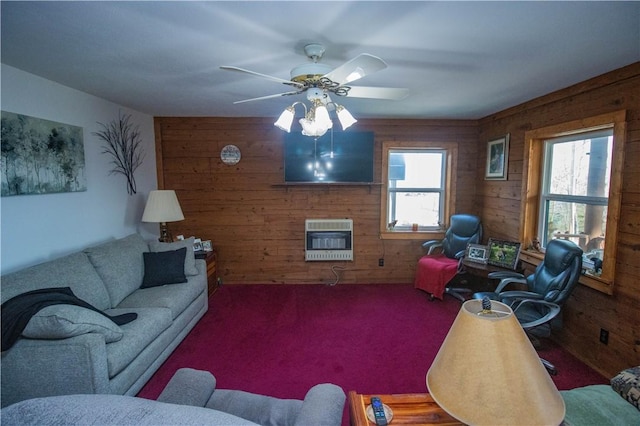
(447, 191)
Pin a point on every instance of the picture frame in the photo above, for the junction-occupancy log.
(207, 245)
(197, 244)
(504, 254)
(477, 253)
(497, 158)
(29, 167)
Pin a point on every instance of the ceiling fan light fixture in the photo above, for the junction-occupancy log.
(285, 120)
(316, 120)
(345, 117)
(312, 128)
(321, 115)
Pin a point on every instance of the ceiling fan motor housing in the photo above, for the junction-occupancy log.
(311, 71)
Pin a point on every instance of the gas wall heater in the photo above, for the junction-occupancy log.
(328, 239)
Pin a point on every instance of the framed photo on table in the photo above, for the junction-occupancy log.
(503, 253)
(477, 253)
(497, 159)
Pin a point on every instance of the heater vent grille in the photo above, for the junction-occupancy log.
(329, 224)
(328, 239)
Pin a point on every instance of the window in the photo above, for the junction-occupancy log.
(573, 188)
(416, 179)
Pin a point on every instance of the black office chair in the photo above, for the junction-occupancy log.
(538, 307)
(443, 258)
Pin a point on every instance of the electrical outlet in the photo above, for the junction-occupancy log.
(381, 261)
(604, 336)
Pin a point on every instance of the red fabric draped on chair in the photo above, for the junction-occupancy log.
(434, 272)
(437, 268)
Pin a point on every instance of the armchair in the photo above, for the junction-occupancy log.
(547, 289)
(442, 261)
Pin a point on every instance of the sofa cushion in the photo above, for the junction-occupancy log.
(174, 297)
(597, 405)
(627, 385)
(74, 270)
(166, 267)
(190, 259)
(138, 334)
(120, 265)
(111, 410)
(62, 321)
(261, 409)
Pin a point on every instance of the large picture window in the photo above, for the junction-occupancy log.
(416, 180)
(572, 190)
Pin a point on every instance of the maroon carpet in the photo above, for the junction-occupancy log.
(280, 340)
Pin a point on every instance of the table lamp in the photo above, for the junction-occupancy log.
(162, 207)
(488, 373)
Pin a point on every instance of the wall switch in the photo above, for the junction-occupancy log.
(381, 261)
(604, 336)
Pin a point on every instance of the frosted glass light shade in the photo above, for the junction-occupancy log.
(345, 117)
(162, 206)
(322, 116)
(313, 128)
(488, 373)
(285, 120)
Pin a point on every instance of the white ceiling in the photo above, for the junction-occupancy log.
(461, 60)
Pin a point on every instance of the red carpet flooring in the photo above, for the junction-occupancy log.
(280, 340)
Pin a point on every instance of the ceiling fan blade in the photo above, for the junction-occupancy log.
(268, 77)
(358, 67)
(268, 97)
(391, 93)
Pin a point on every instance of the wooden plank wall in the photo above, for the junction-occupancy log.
(588, 310)
(257, 226)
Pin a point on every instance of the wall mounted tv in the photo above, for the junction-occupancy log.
(341, 157)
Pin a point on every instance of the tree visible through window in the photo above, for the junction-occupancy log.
(575, 190)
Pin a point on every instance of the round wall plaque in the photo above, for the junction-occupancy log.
(230, 154)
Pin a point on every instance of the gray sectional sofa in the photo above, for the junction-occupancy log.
(190, 398)
(67, 349)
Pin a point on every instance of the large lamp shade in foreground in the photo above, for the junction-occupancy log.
(488, 373)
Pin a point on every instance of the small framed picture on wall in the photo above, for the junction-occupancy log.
(497, 159)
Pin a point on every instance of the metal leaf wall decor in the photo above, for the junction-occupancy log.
(123, 143)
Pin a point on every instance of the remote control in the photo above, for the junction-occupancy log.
(378, 411)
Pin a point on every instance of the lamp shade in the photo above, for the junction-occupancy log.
(285, 120)
(322, 116)
(488, 373)
(345, 117)
(162, 206)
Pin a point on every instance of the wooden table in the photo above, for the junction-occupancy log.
(212, 279)
(408, 409)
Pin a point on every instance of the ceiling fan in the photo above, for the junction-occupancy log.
(323, 80)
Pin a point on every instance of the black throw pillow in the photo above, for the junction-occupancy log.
(164, 267)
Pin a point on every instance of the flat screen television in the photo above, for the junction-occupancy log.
(347, 157)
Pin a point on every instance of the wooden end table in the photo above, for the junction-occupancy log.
(408, 409)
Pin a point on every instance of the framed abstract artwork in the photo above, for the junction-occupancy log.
(41, 156)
